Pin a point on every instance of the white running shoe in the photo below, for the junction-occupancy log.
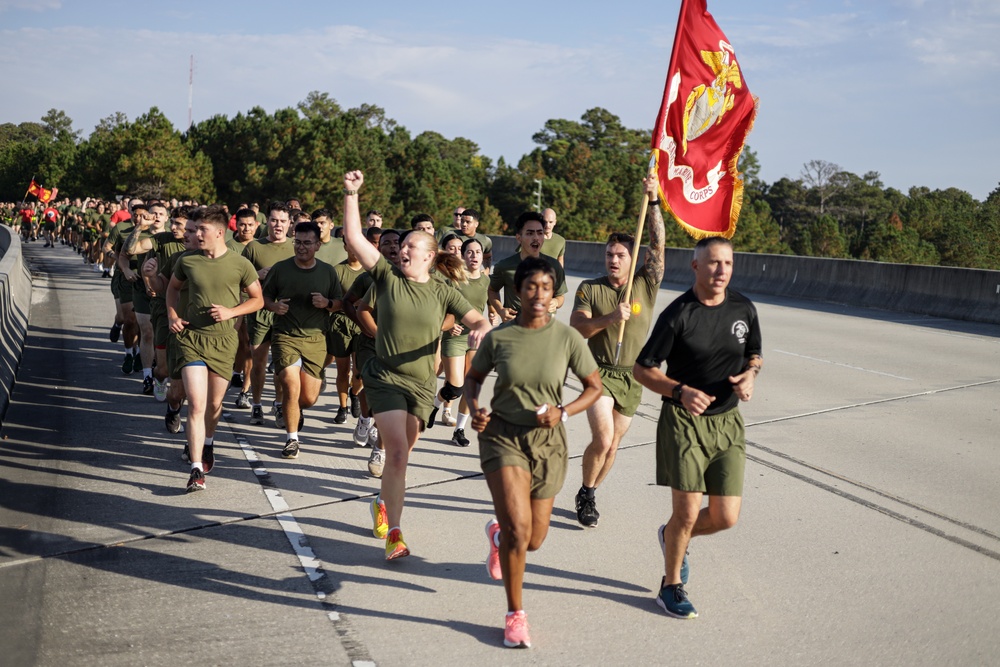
(373, 435)
(361, 432)
(376, 462)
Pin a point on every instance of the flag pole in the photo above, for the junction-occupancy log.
(636, 249)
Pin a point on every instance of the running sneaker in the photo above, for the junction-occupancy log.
(116, 332)
(137, 363)
(236, 381)
(159, 390)
(493, 557)
(208, 458)
(243, 400)
(446, 418)
(186, 454)
(380, 524)
(373, 435)
(341, 416)
(586, 510)
(458, 438)
(361, 432)
(685, 569)
(355, 404)
(376, 462)
(279, 417)
(515, 630)
(173, 420)
(395, 547)
(196, 482)
(290, 450)
(257, 415)
(673, 599)
(433, 417)
(147, 385)
(128, 363)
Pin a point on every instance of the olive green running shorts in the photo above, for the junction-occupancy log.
(259, 326)
(340, 339)
(387, 390)
(286, 350)
(217, 350)
(620, 384)
(161, 326)
(540, 451)
(705, 453)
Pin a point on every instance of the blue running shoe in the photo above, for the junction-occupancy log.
(673, 599)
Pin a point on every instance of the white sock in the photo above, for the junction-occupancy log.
(147, 372)
(438, 402)
(461, 420)
(293, 436)
(197, 466)
(209, 441)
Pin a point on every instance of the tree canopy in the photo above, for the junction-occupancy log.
(588, 170)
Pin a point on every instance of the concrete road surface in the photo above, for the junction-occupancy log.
(870, 531)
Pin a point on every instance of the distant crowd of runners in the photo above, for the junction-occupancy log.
(412, 323)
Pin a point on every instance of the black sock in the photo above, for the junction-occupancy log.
(588, 491)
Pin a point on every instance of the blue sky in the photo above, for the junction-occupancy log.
(907, 88)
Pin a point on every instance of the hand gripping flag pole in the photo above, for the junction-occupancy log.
(636, 247)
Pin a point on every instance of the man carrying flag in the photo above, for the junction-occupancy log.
(709, 337)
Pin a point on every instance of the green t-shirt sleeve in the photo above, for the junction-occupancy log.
(249, 274)
(179, 270)
(583, 300)
(270, 286)
(482, 362)
(581, 361)
(561, 280)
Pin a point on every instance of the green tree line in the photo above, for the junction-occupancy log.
(588, 170)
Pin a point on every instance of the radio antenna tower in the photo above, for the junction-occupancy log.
(190, 91)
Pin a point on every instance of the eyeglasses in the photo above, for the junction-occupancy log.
(304, 244)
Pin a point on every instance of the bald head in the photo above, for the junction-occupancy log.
(549, 216)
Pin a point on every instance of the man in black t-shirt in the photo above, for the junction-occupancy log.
(710, 339)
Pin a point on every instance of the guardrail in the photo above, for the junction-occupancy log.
(940, 291)
(15, 304)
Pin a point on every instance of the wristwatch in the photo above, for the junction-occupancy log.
(564, 417)
(678, 393)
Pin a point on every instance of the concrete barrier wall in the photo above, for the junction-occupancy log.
(15, 303)
(964, 294)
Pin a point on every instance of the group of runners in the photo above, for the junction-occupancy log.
(206, 300)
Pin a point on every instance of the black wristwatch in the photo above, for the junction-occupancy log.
(678, 392)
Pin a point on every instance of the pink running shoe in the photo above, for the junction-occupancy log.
(515, 631)
(493, 559)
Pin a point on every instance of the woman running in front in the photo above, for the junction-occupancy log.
(522, 442)
(399, 380)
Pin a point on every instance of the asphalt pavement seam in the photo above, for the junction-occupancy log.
(312, 567)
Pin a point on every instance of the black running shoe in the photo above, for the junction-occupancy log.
(257, 415)
(186, 454)
(196, 482)
(586, 510)
(208, 458)
(137, 363)
(341, 416)
(290, 450)
(458, 438)
(147, 385)
(279, 417)
(173, 422)
(116, 333)
(236, 381)
(355, 404)
(127, 364)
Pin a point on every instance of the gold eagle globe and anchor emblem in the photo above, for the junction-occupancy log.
(707, 104)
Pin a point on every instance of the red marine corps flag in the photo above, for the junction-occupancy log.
(706, 115)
